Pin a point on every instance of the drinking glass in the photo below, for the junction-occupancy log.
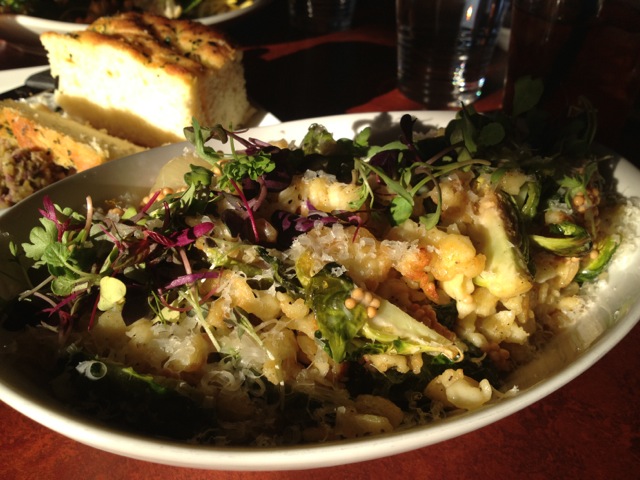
(444, 48)
(321, 16)
(587, 49)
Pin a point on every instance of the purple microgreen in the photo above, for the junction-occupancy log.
(94, 309)
(119, 245)
(49, 212)
(259, 145)
(277, 180)
(258, 199)
(157, 237)
(291, 225)
(143, 211)
(189, 235)
(189, 279)
(387, 161)
(212, 291)
(181, 238)
(65, 318)
(247, 207)
(165, 303)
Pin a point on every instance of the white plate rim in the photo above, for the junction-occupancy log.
(307, 456)
(15, 77)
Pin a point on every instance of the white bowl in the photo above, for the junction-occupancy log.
(568, 356)
(26, 30)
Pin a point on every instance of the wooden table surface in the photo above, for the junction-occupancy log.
(589, 429)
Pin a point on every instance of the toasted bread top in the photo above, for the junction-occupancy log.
(178, 46)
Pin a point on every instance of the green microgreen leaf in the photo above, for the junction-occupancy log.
(401, 209)
(245, 166)
(63, 285)
(527, 94)
(198, 175)
(56, 255)
(491, 134)
(40, 238)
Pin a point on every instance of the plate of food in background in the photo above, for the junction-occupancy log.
(23, 21)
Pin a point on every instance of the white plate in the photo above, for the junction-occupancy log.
(569, 356)
(26, 30)
(15, 77)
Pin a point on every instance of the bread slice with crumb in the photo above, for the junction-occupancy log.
(25, 171)
(72, 145)
(144, 77)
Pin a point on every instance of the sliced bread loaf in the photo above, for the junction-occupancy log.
(73, 145)
(144, 77)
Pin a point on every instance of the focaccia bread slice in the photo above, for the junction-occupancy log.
(39, 147)
(144, 77)
(72, 145)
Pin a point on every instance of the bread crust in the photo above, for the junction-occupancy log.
(181, 44)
